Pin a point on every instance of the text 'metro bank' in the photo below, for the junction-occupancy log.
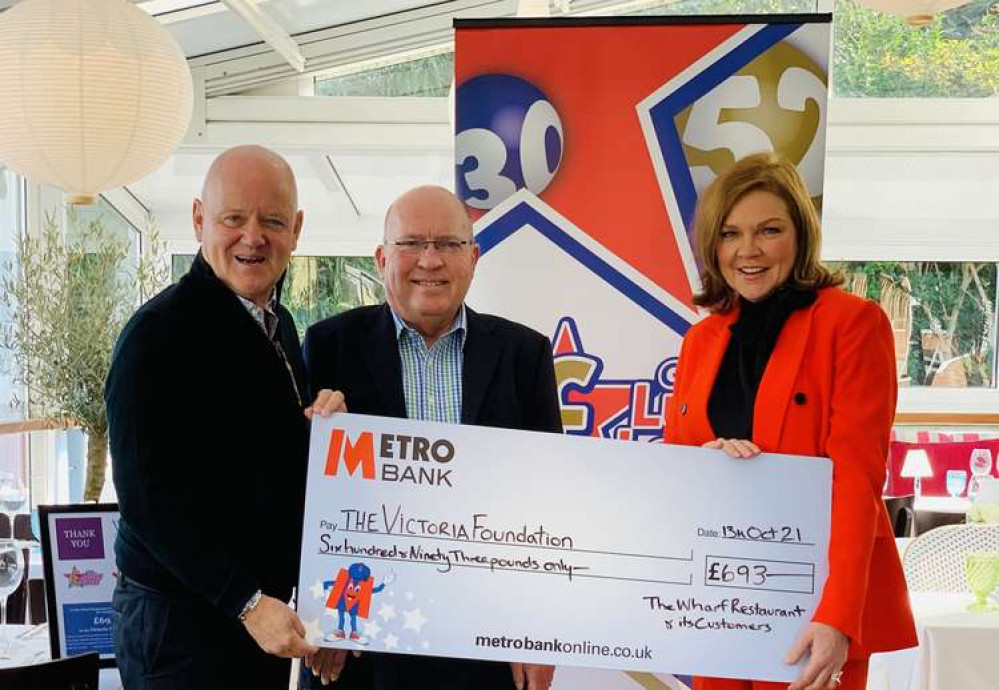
(400, 458)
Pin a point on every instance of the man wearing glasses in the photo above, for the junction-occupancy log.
(425, 355)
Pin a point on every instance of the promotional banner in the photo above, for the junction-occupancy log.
(464, 541)
(581, 148)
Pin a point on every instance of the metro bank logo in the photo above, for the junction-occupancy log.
(400, 458)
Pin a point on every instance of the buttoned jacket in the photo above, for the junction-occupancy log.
(508, 381)
(828, 390)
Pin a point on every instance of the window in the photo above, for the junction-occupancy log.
(878, 55)
(943, 316)
(116, 225)
(10, 228)
(687, 7)
(426, 76)
(318, 286)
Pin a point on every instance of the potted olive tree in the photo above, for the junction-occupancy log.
(68, 301)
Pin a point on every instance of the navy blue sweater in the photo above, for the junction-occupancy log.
(209, 446)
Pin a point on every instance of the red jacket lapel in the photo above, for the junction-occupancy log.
(710, 350)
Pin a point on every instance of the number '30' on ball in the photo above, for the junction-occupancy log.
(509, 136)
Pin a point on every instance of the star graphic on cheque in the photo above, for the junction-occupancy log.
(414, 620)
(317, 589)
(313, 631)
(391, 642)
(371, 629)
(387, 612)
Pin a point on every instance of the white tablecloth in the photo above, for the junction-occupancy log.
(31, 646)
(958, 650)
(941, 504)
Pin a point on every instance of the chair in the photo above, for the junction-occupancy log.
(927, 520)
(934, 562)
(22, 527)
(901, 514)
(17, 602)
(36, 601)
(72, 673)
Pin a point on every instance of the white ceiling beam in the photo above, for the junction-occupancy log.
(533, 8)
(269, 30)
(338, 109)
(165, 15)
(325, 124)
(396, 137)
(131, 207)
(231, 71)
(861, 126)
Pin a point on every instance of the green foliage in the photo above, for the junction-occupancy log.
(321, 286)
(317, 287)
(427, 76)
(874, 55)
(180, 264)
(956, 301)
(877, 55)
(68, 305)
(703, 7)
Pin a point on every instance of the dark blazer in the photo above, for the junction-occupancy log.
(508, 381)
(828, 390)
(209, 447)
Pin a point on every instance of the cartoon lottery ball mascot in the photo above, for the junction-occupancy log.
(351, 593)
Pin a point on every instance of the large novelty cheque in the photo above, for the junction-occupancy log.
(464, 541)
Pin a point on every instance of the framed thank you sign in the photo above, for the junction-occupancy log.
(80, 576)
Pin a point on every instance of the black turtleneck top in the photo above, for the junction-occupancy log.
(754, 336)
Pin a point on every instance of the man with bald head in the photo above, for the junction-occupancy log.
(209, 436)
(425, 355)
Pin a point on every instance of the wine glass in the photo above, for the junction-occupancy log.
(956, 481)
(981, 466)
(981, 461)
(981, 571)
(11, 573)
(12, 497)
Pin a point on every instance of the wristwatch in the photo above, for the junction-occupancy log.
(250, 604)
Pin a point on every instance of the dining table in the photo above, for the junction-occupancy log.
(29, 644)
(958, 649)
(942, 504)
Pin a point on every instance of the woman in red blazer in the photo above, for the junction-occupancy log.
(788, 363)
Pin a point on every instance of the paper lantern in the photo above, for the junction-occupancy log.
(94, 94)
(916, 12)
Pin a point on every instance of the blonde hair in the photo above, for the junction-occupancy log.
(771, 173)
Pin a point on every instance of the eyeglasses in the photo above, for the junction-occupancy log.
(444, 245)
